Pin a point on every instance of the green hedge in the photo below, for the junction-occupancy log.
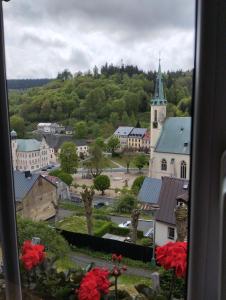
(124, 231)
(103, 229)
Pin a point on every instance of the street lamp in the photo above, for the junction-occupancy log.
(154, 209)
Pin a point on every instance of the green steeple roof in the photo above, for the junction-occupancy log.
(159, 98)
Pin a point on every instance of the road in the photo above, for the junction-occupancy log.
(83, 260)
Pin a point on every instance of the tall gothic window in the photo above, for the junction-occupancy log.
(155, 116)
(183, 169)
(164, 165)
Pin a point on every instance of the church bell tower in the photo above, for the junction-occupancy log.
(158, 114)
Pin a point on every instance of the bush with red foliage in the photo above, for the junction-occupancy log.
(173, 256)
(32, 255)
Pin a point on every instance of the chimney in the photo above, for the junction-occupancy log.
(27, 174)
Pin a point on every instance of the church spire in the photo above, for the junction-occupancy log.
(159, 98)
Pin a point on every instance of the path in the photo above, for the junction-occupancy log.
(83, 260)
(117, 164)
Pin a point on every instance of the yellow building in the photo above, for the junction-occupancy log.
(135, 139)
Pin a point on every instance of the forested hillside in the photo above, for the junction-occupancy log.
(22, 84)
(96, 103)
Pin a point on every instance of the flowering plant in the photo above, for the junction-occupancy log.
(32, 255)
(173, 256)
(94, 284)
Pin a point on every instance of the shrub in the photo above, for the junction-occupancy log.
(165, 283)
(65, 177)
(103, 229)
(126, 203)
(146, 242)
(55, 244)
(136, 186)
(101, 183)
(124, 231)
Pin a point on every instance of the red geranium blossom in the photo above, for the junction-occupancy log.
(32, 255)
(173, 256)
(94, 284)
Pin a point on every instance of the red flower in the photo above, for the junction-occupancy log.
(173, 256)
(32, 255)
(114, 257)
(94, 284)
(119, 258)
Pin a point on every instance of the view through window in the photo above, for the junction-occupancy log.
(100, 120)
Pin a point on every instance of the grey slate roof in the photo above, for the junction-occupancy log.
(138, 132)
(150, 190)
(26, 145)
(22, 184)
(175, 134)
(170, 190)
(123, 130)
(55, 141)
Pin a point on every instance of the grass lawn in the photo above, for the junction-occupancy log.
(78, 224)
(107, 163)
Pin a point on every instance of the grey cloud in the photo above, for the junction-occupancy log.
(32, 38)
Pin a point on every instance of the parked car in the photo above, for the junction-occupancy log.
(75, 198)
(125, 224)
(99, 205)
(49, 167)
(44, 169)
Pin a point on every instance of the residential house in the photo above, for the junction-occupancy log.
(135, 139)
(36, 197)
(146, 142)
(68, 130)
(52, 128)
(148, 195)
(172, 191)
(55, 142)
(170, 138)
(63, 192)
(29, 154)
(123, 133)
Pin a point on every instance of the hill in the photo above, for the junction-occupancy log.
(95, 104)
(22, 84)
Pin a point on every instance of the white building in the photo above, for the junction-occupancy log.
(29, 154)
(170, 139)
(50, 128)
(172, 190)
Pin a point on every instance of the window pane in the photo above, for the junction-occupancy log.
(100, 119)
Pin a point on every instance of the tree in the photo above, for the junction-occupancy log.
(138, 124)
(81, 129)
(113, 144)
(100, 142)
(127, 156)
(181, 216)
(65, 177)
(65, 75)
(136, 186)
(96, 162)
(134, 224)
(87, 198)
(68, 157)
(140, 161)
(101, 183)
(126, 203)
(17, 123)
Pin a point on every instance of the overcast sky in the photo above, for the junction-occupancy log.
(46, 36)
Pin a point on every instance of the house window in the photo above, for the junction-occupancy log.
(183, 169)
(171, 233)
(164, 165)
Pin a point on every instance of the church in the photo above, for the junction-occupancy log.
(170, 138)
